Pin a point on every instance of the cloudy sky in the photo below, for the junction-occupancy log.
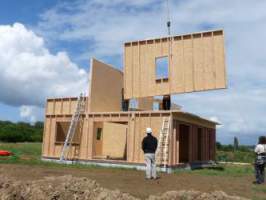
(45, 47)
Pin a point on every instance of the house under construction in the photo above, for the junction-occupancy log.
(121, 105)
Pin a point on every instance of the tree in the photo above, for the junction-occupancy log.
(236, 143)
(20, 132)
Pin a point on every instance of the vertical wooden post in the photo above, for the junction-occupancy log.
(90, 139)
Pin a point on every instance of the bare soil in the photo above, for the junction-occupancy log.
(36, 182)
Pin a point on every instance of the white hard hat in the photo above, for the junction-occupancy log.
(148, 130)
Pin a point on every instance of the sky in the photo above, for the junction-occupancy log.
(46, 45)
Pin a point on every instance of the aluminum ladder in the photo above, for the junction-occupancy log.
(162, 153)
(80, 108)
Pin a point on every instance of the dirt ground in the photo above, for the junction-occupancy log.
(133, 182)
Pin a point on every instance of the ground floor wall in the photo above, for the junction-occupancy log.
(118, 137)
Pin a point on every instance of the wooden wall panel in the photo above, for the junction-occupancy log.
(66, 107)
(209, 68)
(62, 106)
(128, 71)
(50, 107)
(198, 60)
(177, 75)
(150, 76)
(196, 63)
(58, 107)
(131, 139)
(192, 119)
(137, 140)
(219, 62)
(84, 140)
(114, 140)
(52, 137)
(105, 88)
(137, 124)
(73, 105)
(136, 70)
(46, 137)
(145, 103)
(143, 66)
(188, 63)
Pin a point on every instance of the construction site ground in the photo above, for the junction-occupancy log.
(134, 183)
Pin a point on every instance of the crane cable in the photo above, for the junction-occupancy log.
(168, 23)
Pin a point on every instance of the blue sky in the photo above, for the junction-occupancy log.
(45, 47)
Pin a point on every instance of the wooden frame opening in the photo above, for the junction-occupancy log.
(110, 140)
(61, 133)
(200, 139)
(161, 69)
(184, 134)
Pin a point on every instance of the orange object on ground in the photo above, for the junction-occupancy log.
(5, 153)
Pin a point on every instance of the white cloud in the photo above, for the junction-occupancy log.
(105, 25)
(30, 73)
(31, 113)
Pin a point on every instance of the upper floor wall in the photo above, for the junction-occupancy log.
(195, 62)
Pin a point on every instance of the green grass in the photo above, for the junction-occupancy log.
(235, 156)
(22, 152)
(30, 154)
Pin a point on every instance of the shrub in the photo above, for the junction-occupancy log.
(20, 132)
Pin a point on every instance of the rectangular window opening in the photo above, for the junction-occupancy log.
(162, 69)
(99, 134)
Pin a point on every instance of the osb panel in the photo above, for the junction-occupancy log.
(52, 137)
(50, 107)
(84, 140)
(114, 140)
(73, 105)
(193, 120)
(145, 103)
(46, 137)
(66, 107)
(135, 135)
(196, 63)
(105, 88)
(131, 140)
(137, 139)
(58, 107)
(98, 144)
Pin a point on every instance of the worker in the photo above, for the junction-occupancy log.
(149, 146)
(260, 160)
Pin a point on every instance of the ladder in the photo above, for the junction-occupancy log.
(162, 152)
(80, 108)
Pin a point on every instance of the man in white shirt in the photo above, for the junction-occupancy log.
(260, 161)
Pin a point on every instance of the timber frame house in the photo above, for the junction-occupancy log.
(110, 131)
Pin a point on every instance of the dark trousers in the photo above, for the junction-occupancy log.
(260, 173)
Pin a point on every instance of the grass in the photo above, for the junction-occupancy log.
(30, 154)
(236, 156)
(22, 152)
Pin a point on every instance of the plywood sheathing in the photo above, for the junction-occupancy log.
(137, 123)
(114, 138)
(105, 87)
(145, 103)
(62, 106)
(196, 63)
